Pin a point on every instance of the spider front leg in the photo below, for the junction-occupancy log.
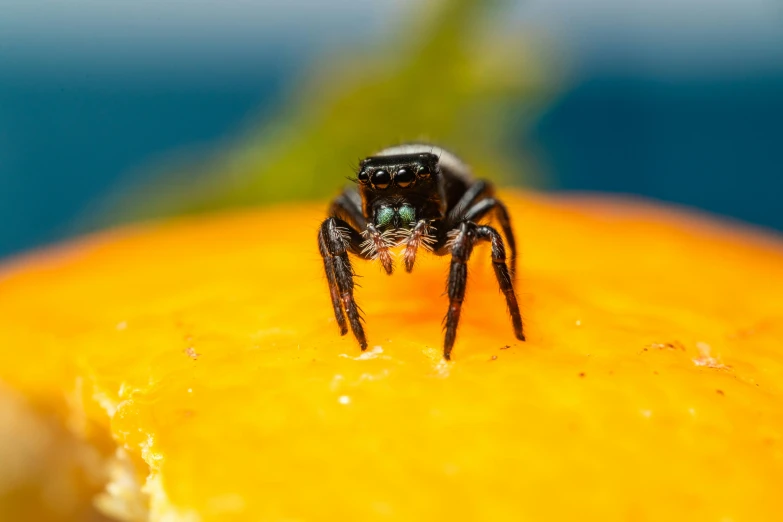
(334, 239)
(461, 248)
(347, 207)
(464, 239)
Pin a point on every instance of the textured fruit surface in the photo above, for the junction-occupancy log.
(650, 387)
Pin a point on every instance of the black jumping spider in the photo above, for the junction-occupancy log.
(416, 196)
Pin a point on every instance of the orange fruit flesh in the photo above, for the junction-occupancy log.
(200, 364)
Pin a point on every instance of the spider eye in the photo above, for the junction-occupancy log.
(404, 177)
(423, 172)
(381, 179)
(363, 177)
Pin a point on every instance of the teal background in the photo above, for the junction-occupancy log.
(685, 108)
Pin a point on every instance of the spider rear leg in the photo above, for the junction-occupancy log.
(334, 238)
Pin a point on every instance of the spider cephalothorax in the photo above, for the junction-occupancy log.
(416, 196)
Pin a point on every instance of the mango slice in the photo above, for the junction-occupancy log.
(193, 371)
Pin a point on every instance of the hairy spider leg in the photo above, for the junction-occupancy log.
(482, 208)
(419, 235)
(475, 192)
(461, 245)
(339, 315)
(347, 206)
(334, 238)
(503, 276)
(376, 246)
(461, 248)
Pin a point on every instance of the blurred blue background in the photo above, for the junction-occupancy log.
(676, 100)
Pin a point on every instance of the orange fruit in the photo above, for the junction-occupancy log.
(193, 371)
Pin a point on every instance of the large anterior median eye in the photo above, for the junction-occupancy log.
(407, 214)
(380, 179)
(384, 217)
(404, 177)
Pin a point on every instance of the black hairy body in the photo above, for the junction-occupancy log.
(421, 197)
